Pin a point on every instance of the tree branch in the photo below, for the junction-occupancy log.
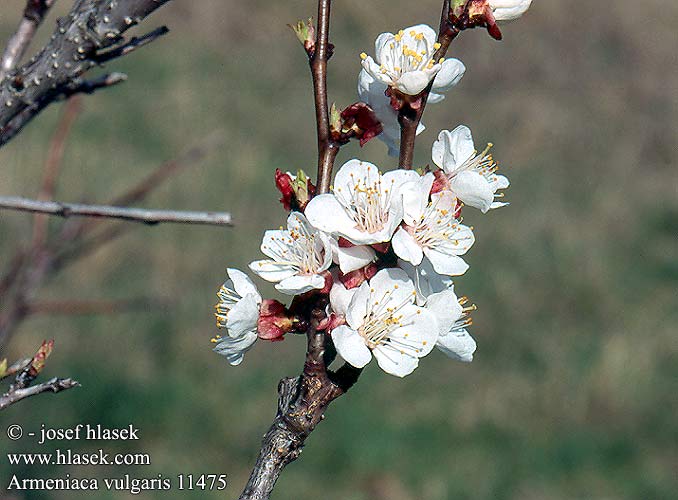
(327, 148)
(34, 14)
(130, 214)
(53, 166)
(53, 385)
(75, 47)
(409, 116)
(302, 402)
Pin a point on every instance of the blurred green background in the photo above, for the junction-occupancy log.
(573, 392)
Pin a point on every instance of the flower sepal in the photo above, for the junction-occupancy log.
(274, 321)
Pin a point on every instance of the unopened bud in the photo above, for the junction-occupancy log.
(305, 31)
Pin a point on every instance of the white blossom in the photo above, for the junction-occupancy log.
(238, 312)
(506, 10)
(426, 280)
(383, 320)
(298, 256)
(405, 61)
(430, 229)
(452, 318)
(473, 177)
(365, 207)
(372, 90)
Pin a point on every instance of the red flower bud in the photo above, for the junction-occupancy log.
(356, 278)
(274, 321)
(360, 121)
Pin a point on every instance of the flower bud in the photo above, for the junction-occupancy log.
(305, 32)
(274, 321)
(297, 190)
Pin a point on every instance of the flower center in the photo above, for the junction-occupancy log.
(227, 299)
(383, 316)
(367, 202)
(482, 163)
(436, 226)
(300, 248)
(416, 55)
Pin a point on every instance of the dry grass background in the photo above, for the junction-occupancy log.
(573, 391)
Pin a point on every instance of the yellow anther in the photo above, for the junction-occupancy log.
(363, 56)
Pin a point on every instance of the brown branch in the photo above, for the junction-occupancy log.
(409, 116)
(302, 403)
(123, 213)
(327, 148)
(77, 45)
(53, 385)
(53, 166)
(34, 14)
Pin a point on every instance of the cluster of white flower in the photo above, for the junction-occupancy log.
(382, 248)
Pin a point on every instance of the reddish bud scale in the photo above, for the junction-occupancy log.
(360, 121)
(274, 321)
(356, 278)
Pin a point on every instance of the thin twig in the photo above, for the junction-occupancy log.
(16, 367)
(130, 214)
(53, 385)
(409, 117)
(327, 148)
(134, 43)
(34, 14)
(53, 165)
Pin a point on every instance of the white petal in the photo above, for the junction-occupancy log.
(324, 244)
(382, 41)
(271, 242)
(426, 280)
(298, 222)
(420, 333)
(506, 10)
(445, 263)
(498, 204)
(415, 198)
(243, 316)
(234, 349)
(395, 362)
(327, 214)
(428, 32)
(295, 285)
(449, 75)
(351, 346)
(272, 271)
(457, 345)
(353, 258)
(392, 287)
(452, 149)
(499, 182)
(242, 284)
(397, 178)
(473, 189)
(357, 309)
(406, 247)
(413, 82)
(340, 298)
(446, 308)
